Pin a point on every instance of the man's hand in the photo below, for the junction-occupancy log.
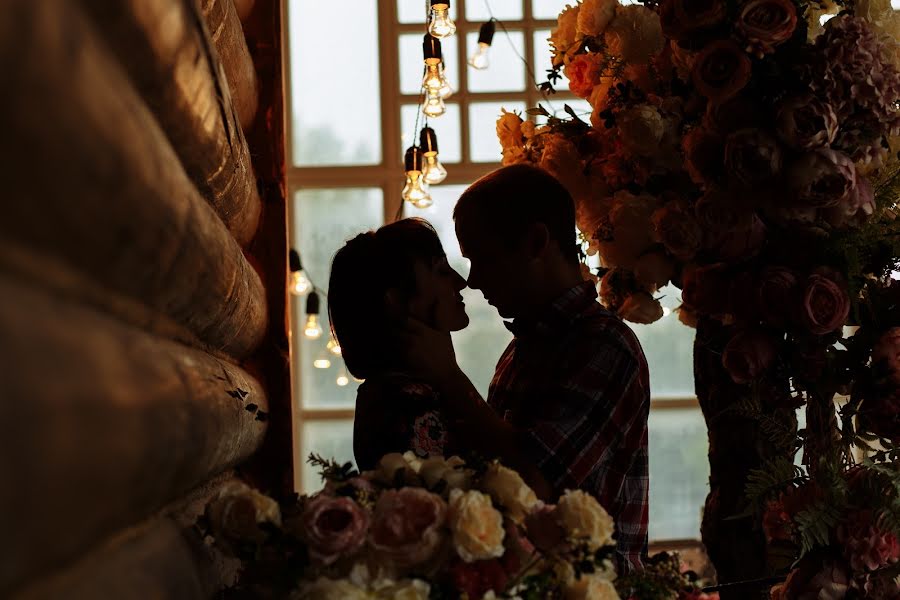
(428, 352)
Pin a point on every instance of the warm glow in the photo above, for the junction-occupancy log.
(666, 311)
(479, 60)
(416, 190)
(434, 106)
(334, 347)
(342, 379)
(434, 78)
(441, 24)
(321, 363)
(300, 283)
(434, 170)
(312, 330)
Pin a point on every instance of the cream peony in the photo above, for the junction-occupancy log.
(595, 16)
(476, 526)
(563, 38)
(583, 518)
(635, 34)
(332, 589)
(641, 129)
(591, 587)
(508, 490)
(509, 129)
(436, 469)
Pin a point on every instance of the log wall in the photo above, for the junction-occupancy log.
(141, 289)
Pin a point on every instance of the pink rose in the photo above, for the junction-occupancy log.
(333, 527)
(778, 295)
(721, 70)
(867, 545)
(824, 305)
(678, 231)
(544, 530)
(752, 157)
(704, 155)
(853, 210)
(765, 24)
(806, 122)
(584, 72)
(886, 353)
(681, 18)
(407, 526)
(748, 355)
(702, 289)
(822, 178)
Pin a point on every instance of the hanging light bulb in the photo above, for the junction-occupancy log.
(434, 105)
(479, 60)
(441, 25)
(333, 347)
(434, 170)
(322, 362)
(342, 379)
(313, 329)
(300, 283)
(434, 81)
(415, 190)
(445, 91)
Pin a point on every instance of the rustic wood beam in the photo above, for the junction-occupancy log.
(228, 36)
(104, 424)
(165, 49)
(91, 179)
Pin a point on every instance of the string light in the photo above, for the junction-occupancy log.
(479, 60)
(415, 190)
(300, 284)
(322, 362)
(313, 329)
(433, 169)
(435, 83)
(333, 346)
(342, 379)
(440, 24)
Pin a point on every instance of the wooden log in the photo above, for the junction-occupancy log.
(103, 425)
(151, 561)
(175, 67)
(228, 36)
(92, 180)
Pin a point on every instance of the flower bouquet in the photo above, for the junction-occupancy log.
(432, 528)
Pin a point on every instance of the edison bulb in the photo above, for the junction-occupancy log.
(479, 60)
(313, 329)
(434, 170)
(416, 190)
(322, 363)
(434, 106)
(434, 78)
(342, 379)
(300, 283)
(445, 91)
(441, 24)
(333, 347)
(423, 202)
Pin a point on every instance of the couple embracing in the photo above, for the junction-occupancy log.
(568, 404)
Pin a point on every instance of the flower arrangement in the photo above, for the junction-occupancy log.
(746, 152)
(433, 528)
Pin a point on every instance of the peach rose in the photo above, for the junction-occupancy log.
(721, 70)
(584, 72)
(476, 526)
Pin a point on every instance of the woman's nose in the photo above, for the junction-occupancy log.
(458, 281)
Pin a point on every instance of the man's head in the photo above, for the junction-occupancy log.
(517, 227)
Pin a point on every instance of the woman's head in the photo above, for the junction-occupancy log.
(381, 277)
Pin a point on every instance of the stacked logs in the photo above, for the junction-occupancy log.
(132, 313)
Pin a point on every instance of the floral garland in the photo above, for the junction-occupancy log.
(436, 528)
(746, 151)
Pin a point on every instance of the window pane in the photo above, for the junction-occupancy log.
(506, 71)
(334, 128)
(669, 347)
(542, 61)
(329, 439)
(413, 11)
(323, 220)
(477, 10)
(679, 473)
(412, 66)
(478, 346)
(446, 127)
(483, 143)
(547, 9)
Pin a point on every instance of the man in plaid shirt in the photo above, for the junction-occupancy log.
(570, 397)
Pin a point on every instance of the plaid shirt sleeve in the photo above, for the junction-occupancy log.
(594, 434)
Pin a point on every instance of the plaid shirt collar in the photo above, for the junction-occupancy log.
(556, 317)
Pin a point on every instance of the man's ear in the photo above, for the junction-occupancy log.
(537, 239)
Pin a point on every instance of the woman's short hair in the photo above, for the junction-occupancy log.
(362, 273)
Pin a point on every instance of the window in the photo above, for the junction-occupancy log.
(352, 112)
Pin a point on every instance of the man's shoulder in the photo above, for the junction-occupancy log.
(597, 326)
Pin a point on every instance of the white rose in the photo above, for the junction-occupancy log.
(390, 465)
(595, 16)
(591, 587)
(331, 589)
(641, 307)
(583, 518)
(436, 469)
(563, 38)
(641, 129)
(635, 34)
(414, 462)
(477, 527)
(414, 589)
(509, 129)
(508, 489)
